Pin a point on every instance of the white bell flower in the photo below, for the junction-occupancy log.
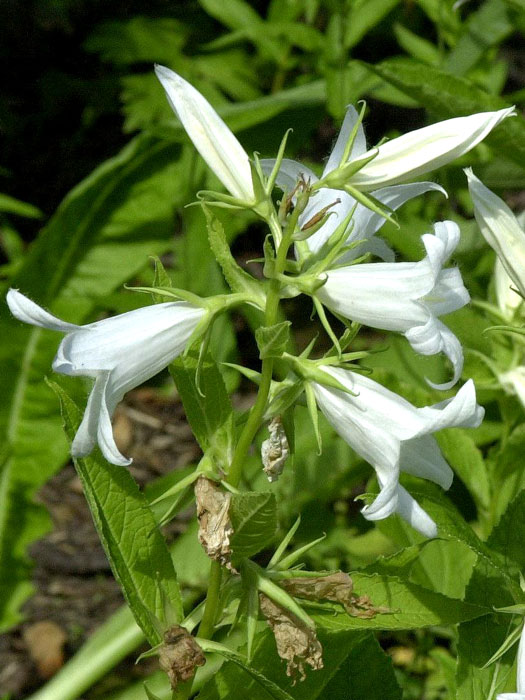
(210, 135)
(365, 222)
(520, 674)
(500, 228)
(119, 353)
(393, 435)
(424, 150)
(407, 297)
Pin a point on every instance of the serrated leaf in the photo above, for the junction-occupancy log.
(100, 236)
(133, 544)
(411, 606)
(272, 341)
(446, 96)
(209, 411)
(342, 651)
(253, 516)
(237, 278)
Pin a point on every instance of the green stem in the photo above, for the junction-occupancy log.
(253, 423)
(212, 601)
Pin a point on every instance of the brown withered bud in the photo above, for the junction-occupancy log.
(337, 588)
(180, 655)
(274, 450)
(296, 643)
(213, 513)
(316, 218)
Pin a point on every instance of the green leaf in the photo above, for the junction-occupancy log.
(411, 606)
(237, 278)
(135, 547)
(254, 520)
(464, 457)
(486, 27)
(99, 237)
(446, 96)
(233, 682)
(209, 411)
(270, 688)
(363, 15)
(10, 205)
(272, 341)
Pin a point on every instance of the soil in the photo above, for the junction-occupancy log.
(74, 589)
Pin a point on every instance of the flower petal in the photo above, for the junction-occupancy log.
(423, 150)
(410, 510)
(358, 147)
(289, 173)
(433, 337)
(210, 135)
(507, 297)
(500, 229)
(367, 222)
(27, 311)
(142, 341)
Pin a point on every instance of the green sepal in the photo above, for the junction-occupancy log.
(351, 137)
(371, 203)
(282, 396)
(272, 341)
(236, 277)
(507, 644)
(311, 404)
(270, 183)
(297, 554)
(278, 595)
(338, 178)
(269, 257)
(171, 293)
(326, 324)
(250, 374)
(263, 204)
(281, 549)
(311, 371)
(160, 278)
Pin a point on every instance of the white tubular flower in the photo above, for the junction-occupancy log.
(520, 675)
(392, 435)
(406, 297)
(500, 228)
(424, 150)
(365, 223)
(506, 295)
(210, 135)
(119, 353)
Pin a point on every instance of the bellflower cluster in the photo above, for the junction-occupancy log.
(331, 220)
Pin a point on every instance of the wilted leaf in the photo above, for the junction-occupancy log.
(213, 512)
(180, 655)
(337, 588)
(275, 450)
(296, 643)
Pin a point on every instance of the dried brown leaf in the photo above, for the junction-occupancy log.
(296, 643)
(275, 450)
(337, 588)
(180, 655)
(213, 512)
